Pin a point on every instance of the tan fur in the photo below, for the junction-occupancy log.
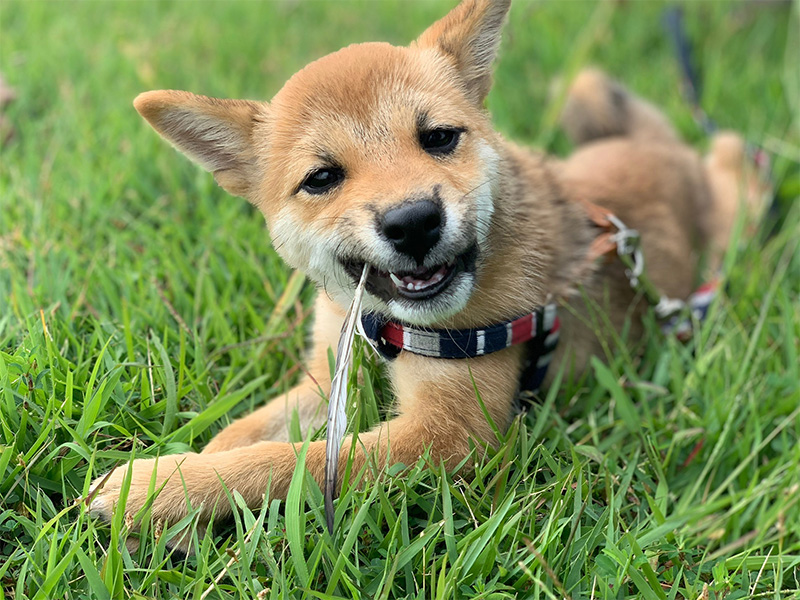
(735, 185)
(598, 107)
(361, 107)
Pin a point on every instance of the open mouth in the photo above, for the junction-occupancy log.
(419, 284)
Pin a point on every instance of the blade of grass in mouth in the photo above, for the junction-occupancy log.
(337, 414)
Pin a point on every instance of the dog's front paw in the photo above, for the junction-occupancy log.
(175, 482)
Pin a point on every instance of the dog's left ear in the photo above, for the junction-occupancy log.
(469, 35)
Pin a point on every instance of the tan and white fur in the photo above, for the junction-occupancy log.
(368, 111)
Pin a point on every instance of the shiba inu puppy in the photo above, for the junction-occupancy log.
(385, 156)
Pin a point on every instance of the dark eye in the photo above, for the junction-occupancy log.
(439, 141)
(321, 180)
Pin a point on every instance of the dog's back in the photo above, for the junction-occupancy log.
(630, 161)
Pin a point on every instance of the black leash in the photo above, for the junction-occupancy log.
(692, 91)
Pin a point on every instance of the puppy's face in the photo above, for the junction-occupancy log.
(373, 155)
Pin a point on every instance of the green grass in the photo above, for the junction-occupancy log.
(141, 309)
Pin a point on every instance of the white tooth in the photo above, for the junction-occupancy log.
(410, 286)
(396, 280)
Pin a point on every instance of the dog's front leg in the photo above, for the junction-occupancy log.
(308, 399)
(438, 411)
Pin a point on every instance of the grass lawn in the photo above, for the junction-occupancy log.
(142, 309)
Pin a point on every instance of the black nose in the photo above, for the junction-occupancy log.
(413, 228)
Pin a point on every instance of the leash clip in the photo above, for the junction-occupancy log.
(629, 249)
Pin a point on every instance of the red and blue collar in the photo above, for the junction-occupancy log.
(538, 330)
(390, 337)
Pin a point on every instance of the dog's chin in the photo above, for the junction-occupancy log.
(422, 296)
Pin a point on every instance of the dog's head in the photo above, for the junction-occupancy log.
(373, 154)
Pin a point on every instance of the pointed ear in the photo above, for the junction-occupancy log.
(216, 134)
(469, 35)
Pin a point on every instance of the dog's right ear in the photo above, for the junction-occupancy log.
(216, 134)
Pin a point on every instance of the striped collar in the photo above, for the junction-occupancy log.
(391, 337)
(538, 330)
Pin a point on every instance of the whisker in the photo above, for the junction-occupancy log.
(477, 187)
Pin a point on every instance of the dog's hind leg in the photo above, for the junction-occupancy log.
(735, 185)
(599, 107)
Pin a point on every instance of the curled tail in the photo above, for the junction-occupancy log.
(599, 107)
